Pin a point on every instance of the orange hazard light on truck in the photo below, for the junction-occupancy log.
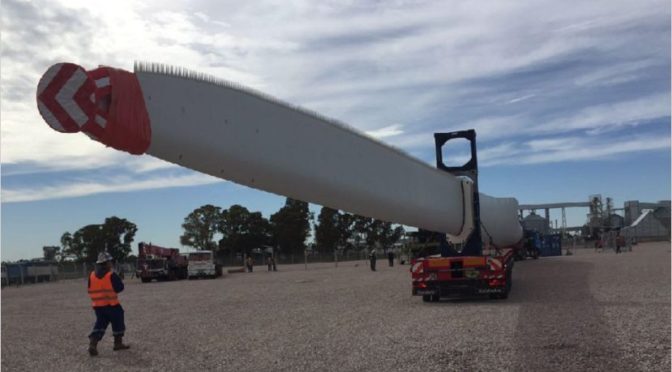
(474, 261)
(439, 262)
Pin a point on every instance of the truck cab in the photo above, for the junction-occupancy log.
(160, 263)
(151, 267)
(202, 265)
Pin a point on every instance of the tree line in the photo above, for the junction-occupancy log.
(114, 235)
(237, 230)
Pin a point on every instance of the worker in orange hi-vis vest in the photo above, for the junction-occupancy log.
(104, 284)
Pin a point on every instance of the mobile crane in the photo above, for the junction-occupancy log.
(155, 262)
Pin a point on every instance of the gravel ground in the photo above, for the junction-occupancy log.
(589, 311)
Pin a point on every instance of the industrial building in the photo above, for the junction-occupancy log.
(641, 221)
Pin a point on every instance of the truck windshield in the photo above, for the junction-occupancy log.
(155, 264)
(200, 256)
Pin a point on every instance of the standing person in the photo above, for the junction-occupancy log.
(250, 264)
(103, 286)
(273, 263)
(619, 241)
(390, 258)
(372, 259)
(269, 263)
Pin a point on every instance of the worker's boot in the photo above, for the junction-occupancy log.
(93, 346)
(118, 345)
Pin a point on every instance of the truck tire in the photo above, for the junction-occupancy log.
(146, 280)
(426, 298)
(507, 287)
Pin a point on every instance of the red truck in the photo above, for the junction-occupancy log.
(435, 277)
(160, 263)
(477, 268)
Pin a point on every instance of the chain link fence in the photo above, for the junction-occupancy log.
(23, 273)
(259, 259)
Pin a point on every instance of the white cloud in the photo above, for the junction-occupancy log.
(433, 66)
(115, 184)
(611, 114)
(554, 150)
(389, 131)
(522, 98)
(612, 75)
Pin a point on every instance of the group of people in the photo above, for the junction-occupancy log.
(372, 259)
(270, 262)
(619, 241)
(104, 285)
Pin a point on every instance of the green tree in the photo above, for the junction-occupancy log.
(66, 247)
(232, 225)
(327, 231)
(118, 234)
(373, 232)
(361, 229)
(51, 253)
(258, 231)
(388, 236)
(242, 230)
(200, 227)
(115, 235)
(87, 242)
(345, 230)
(291, 226)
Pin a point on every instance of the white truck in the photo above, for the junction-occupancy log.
(202, 265)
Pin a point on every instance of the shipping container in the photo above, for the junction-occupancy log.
(550, 245)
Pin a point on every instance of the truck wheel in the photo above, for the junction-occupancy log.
(507, 287)
(146, 280)
(435, 298)
(426, 298)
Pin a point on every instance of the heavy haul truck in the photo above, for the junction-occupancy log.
(238, 134)
(471, 270)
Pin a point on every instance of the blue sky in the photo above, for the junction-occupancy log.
(568, 99)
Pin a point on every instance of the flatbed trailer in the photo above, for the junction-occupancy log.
(438, 277)
(478, 268)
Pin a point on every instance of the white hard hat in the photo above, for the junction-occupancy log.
(104, 257)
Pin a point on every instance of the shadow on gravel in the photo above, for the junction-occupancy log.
(463, 300)
(560, 325)
(126, 360)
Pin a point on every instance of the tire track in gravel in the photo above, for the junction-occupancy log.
(560, 324)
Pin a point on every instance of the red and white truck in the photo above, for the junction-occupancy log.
(435, 277)
(155, 262)
(479, 267)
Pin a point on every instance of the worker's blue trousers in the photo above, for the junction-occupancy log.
(106, 315)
